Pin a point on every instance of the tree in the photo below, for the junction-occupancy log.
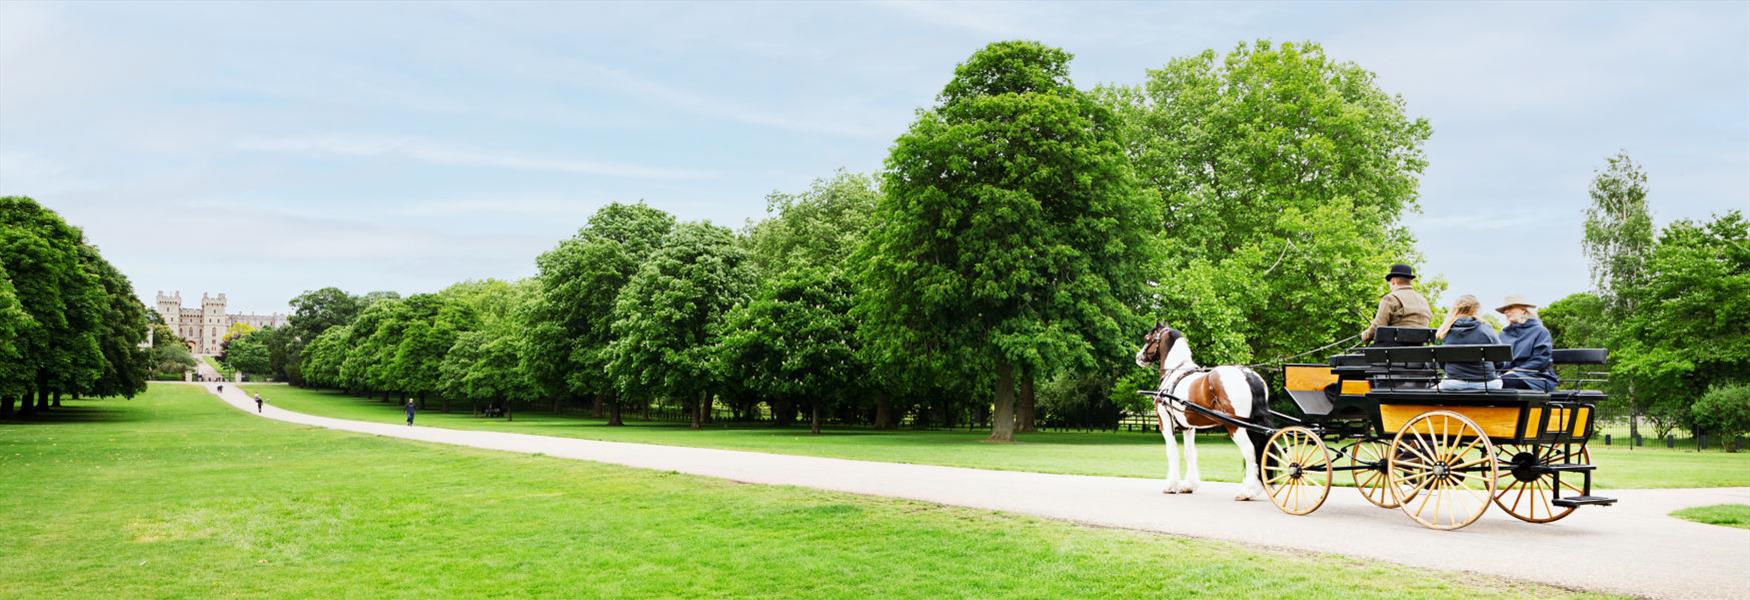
(249, 354)
(59, 342)
(15, 377)
(1283, 177)
(666, 318)
(1686, 331)
(431, 323)
(1618, 242)
(1577, 321)
(1011, 238)
(324, 356)
(569, 325)
(1725, 411)
(819, 227)
(315, 311)
(238, 329)
(121, 331)
(796, 340)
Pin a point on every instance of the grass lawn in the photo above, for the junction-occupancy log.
(217, 366)
(1118, 454)
(173, 494)
(1730, 515)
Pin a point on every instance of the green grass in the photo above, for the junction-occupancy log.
(1730, 515)
(1077, 453)
(217, 366)
(174, 494)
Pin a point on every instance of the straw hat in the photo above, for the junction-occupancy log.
(1514, 300)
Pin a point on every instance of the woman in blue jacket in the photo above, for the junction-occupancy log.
(1533, 366)
(1462, 327)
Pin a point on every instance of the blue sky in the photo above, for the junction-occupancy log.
(265, 149)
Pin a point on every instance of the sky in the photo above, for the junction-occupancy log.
(266, 149)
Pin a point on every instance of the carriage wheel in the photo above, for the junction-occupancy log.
(1526, 494)
(1297, 470)
(1448, 465)
(1372, 481)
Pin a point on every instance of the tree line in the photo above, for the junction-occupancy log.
(1673, 305)
(70, 324)
(998, 270)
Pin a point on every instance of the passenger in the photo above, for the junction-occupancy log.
(1462, 327)
(1533, 364)
(1402, 306)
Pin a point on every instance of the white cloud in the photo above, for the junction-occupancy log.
(366, 146)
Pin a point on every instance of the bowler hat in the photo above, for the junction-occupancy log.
(1400, 270)
(1514, 300)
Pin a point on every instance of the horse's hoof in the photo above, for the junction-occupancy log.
(1242, 498)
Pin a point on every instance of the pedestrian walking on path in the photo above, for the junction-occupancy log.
(409, 412)
(258, 402)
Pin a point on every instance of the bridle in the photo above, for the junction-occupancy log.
(1153, 345)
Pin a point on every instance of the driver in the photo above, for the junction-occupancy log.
(1402, 306)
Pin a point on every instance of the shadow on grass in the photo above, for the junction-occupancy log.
(75, 414)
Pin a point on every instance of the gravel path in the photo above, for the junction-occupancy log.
(1632, 548)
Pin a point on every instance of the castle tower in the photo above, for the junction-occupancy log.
(213, 323)
(170, 309)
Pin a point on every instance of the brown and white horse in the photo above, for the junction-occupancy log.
(1231, 390)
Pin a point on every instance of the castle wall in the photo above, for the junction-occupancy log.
(204, 327)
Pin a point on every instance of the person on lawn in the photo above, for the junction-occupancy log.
(1402, 306)
(409, 412)
(1533, 364)
(258, 403)
(1462, 327)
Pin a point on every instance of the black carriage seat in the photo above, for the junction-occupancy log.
(1467, 398)
(1577, 387)
(1388, 337)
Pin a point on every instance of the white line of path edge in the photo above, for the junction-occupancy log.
(1631, 548)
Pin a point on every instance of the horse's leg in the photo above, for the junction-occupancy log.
(1172, 486)
(1250, 487)
(1192, 477)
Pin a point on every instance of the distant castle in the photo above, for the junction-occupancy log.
(203, 328)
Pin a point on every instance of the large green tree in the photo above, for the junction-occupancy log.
(1618, 242)
(1283, 175)
(60, 341)
(1012, 239)
(15, 375)
(795, 341)
(666, 318)
(568, 329)
(1686, 333)
(121, 332)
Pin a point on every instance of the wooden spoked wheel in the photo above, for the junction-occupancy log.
(1297, 470)
(1448, 466)
(1525, 493)
(1371, 481)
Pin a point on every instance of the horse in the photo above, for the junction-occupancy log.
(1230, 390)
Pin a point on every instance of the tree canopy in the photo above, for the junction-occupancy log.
(1012, 237)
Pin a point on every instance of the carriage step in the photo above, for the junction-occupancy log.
(1576, 501)
(1570, 467)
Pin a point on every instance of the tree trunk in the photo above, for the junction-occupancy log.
(595, 410)
(508, 417)
(5, 406)
(42, 400)
(613, 409)
(56, 402)
(781, 412)
(558, 403)
(422, 401)
(446, 403)
(1025, 413)
(26, 404)
(883, 411)
(1002, 426)
(699, 410)
(814, 417)
(646, 410)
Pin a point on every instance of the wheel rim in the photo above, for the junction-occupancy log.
(1371, 481)
(1296, 470)
(1449, 466)
(1528, 496)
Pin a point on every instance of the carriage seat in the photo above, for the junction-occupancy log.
(1581, 358)
(1481, 397)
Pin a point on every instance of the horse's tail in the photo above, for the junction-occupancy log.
(1260, 414)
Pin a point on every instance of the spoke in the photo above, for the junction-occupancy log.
(1516, 500)
(1548, 508)
(1413, 450)
(1472, 463)
(1473, 444)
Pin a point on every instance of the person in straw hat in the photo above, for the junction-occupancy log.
(1533, 365)
(1402, 306)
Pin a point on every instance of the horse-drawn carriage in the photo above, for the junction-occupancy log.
(1440, 456)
